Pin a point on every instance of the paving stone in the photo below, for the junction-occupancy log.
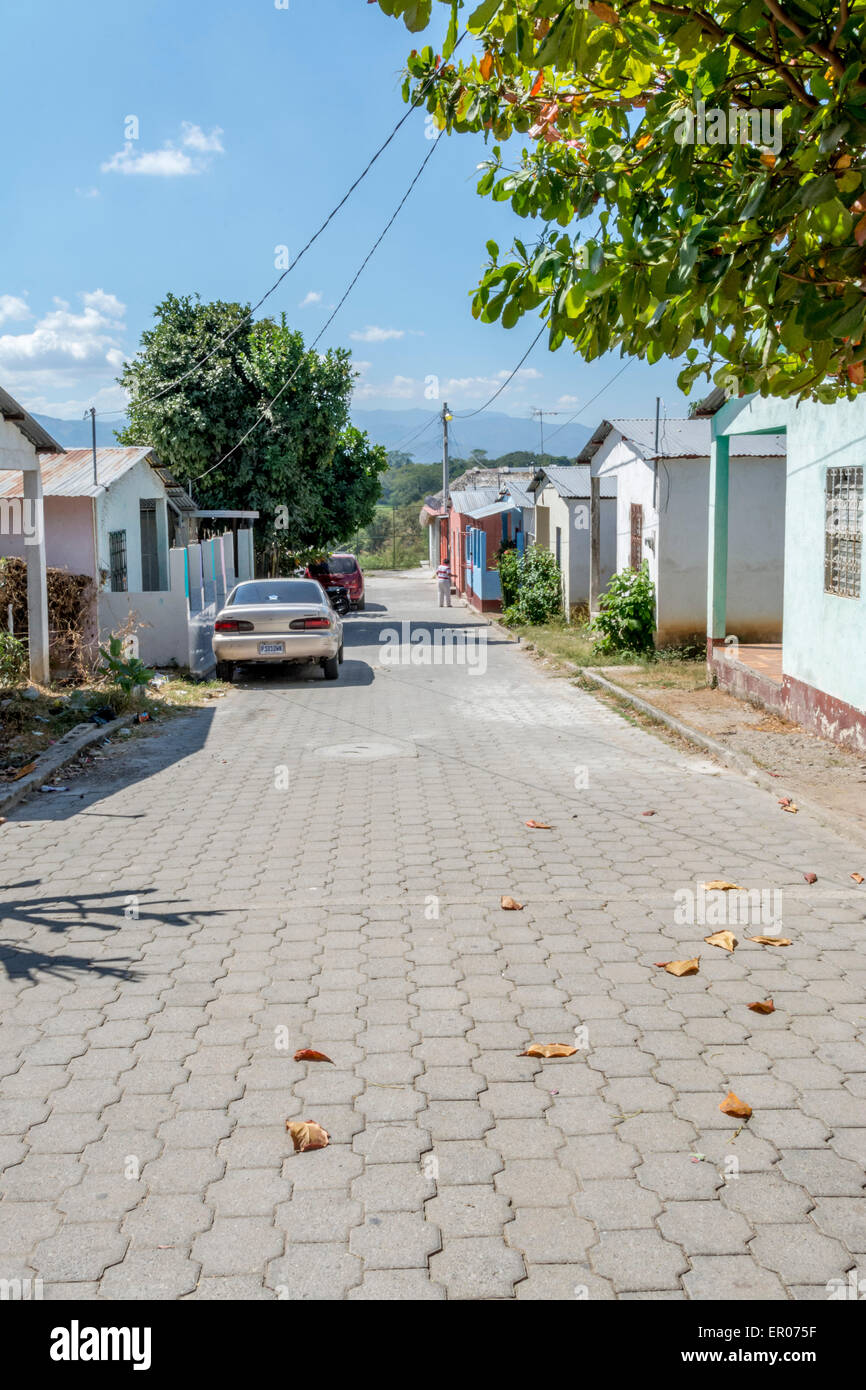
(705, 1228)
(395, 1240)
(616, 1204)
(717, 1278)
(799, 1253)
(159, 1274)
(237, 1245)
(480, 1268)
(638, 1260)
(314, 1272)
(82, 1251)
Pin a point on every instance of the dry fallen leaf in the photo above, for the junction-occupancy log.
(762, 1006)
(791, 808)
(306, 1054)
(538, 825)
(720, 885)
(732, 1105)
(725, 939)
(858, 878)
(811, 878)
(306, 1134)
(511, 904)
(679, 967)
(549, 1050)
(22, 772)
(771, 940)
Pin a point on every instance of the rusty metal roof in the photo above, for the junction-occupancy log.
(30, 428)
(70, 474)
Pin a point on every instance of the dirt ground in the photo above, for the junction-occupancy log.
(804, 764)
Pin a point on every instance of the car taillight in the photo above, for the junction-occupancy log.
(304, 624)
(228, 625)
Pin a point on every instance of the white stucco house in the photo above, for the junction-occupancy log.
(662, 492)
(23, 444)
(563, 524)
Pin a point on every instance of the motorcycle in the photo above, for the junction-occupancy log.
(340, 601)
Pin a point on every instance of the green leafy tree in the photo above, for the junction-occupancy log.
(311, 475)
(745, 250)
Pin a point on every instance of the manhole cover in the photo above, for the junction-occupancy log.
(362, 751)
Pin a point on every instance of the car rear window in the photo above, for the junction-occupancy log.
(338, 564)
(277, 591)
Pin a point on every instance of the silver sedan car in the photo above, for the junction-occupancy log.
(274, 620)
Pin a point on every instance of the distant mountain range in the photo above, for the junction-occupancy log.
(494, 431)
(77, 434)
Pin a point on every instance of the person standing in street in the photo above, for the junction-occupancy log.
(443, 581)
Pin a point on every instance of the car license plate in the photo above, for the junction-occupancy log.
(272, 649)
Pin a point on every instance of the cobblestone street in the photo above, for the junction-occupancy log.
(316, 864)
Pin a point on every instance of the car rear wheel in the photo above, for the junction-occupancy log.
(340, 654)
(331, 668)
(225, 670)
(360, 605)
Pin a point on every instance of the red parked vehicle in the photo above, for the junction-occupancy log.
(343, 570)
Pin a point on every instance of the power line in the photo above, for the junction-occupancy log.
(323, 330)
(404, 443)
(146, 400)
(507, 382)
(589, 402)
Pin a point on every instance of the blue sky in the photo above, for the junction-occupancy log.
(252, 122)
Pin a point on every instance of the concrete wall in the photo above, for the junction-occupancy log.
(16, 451)
(825, 634)
(756, 549)
(675, 538)
(118, 510)
(571, 516)
(634, 484)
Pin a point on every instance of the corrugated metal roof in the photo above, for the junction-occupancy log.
(468, 499)
(571, 480)
(681, 439)
(520, 494)
(70, 474)
(494, 509)
(30, 428)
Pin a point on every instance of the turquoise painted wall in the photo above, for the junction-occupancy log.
(824, 641)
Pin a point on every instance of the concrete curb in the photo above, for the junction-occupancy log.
(64, 751)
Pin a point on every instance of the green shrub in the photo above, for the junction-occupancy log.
(626, 622)
(125, 672)
(13, 659)
(535, 586)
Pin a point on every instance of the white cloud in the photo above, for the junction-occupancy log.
(400, 388)
(568, 400)
(88, 193)
(194, 138)
(64, 344)
(525, 374)
(314, 297)
(172, 161)
(373, 334)
(13, 309)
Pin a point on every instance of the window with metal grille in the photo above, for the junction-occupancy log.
(843, 532)
(117, 560)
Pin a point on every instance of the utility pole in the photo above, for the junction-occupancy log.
(92, 413)
(446, 479)
(656, 462)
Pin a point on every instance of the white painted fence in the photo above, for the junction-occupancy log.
(174, 626)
